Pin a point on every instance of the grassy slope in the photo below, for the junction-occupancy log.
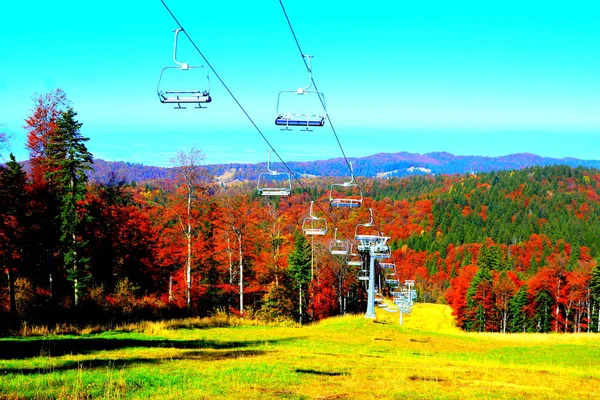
(346, 357)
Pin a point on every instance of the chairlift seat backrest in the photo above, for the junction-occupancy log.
(270, 182)
(180, 75)
(352, 201)
(292, 116)
(338, 246)
(313, 225)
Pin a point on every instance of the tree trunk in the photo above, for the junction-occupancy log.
(11, 294)
(300, 303)
(75, 270)
(241, 260)
(189, 248)
(188, 267)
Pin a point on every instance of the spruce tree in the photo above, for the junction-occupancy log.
(479, 301)
(299, 262)
(519, 322)
(68, 160)
(543, 312)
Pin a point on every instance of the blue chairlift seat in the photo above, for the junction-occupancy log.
(299, 115)
(299, 120)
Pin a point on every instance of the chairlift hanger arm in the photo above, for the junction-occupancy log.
(182, 65)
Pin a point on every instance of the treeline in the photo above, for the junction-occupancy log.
(510, 251)
(388, 164)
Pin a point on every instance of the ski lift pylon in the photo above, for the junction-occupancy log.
(272, 177)
(183, 95)
(349, 201)
(288, 119)
(313, 225)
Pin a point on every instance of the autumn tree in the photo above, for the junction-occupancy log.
(193, 185)
(595, 291)
(3, 142)
(504, 288)
(41, 126)
(238, 224)
(13, 202)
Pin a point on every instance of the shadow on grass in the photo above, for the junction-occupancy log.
(20, 349)
(323, 373)
(126, 362)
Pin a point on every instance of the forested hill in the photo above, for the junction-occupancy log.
(377, 165)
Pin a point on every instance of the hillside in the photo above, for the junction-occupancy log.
(346, 357)
(377, 165)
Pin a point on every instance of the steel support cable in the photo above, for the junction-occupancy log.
(302, 55)
(314, 84)
(246, 113)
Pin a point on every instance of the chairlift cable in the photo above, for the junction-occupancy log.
(314, 84)
(246, 113)
(317, 89)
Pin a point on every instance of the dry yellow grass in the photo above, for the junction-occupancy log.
(346, 357)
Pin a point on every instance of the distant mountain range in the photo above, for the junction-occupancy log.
(381, 165)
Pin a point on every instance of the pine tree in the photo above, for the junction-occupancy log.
(519, 322)
(299, 262)
(543, 311)
(68, 159)
(479, 301)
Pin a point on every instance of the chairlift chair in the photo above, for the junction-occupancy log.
(184, 95)
(267, 181)
(348, 201)
(363, 275)
(313, 225)
(354, 259)
(381, 249)
(387, 265)
(338, 246)
(391, 280)
(366, 233)
(301, 118)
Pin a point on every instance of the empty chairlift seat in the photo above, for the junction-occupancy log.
(183, 83)
(273, 183)
(346, 194)
(313, 225)
(302, 107)
(338, 247)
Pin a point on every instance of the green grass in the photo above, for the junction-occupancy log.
(347, 357)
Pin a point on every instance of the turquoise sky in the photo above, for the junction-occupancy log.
(486, 78)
